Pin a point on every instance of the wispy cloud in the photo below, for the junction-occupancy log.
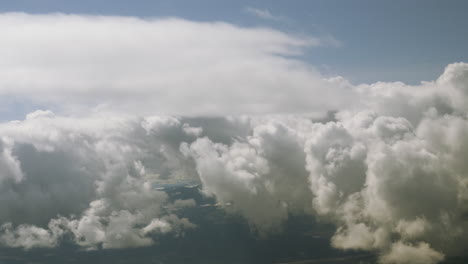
(263, 14)
(326, 38)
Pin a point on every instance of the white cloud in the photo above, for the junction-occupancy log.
(149, 66)
(9, 165)
(405, 254)
(28, 236)
(393, 180)
(98, 173)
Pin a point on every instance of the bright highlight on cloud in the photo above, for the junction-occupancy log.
(388, 170)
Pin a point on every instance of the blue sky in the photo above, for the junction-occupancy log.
(399, 40)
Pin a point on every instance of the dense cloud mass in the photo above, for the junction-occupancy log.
(387, 169)
(92, 177)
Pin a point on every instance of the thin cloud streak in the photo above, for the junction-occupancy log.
(263, 14)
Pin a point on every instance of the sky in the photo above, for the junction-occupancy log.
(407, 41)
(337, 127)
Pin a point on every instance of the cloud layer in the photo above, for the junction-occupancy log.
(387, 168)
(168, 66)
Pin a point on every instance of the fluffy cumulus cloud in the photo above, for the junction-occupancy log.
(92, 178)
(387, 168)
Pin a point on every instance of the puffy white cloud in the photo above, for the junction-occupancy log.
(388, 184)
(254, 178)
(9, 165)
(419, 254)
(90, 177)
(30, 236)
(392, 179)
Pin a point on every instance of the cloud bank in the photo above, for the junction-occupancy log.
(166, 66)
(387, 168)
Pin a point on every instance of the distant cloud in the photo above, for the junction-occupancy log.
(263, 14)
(169, 66)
